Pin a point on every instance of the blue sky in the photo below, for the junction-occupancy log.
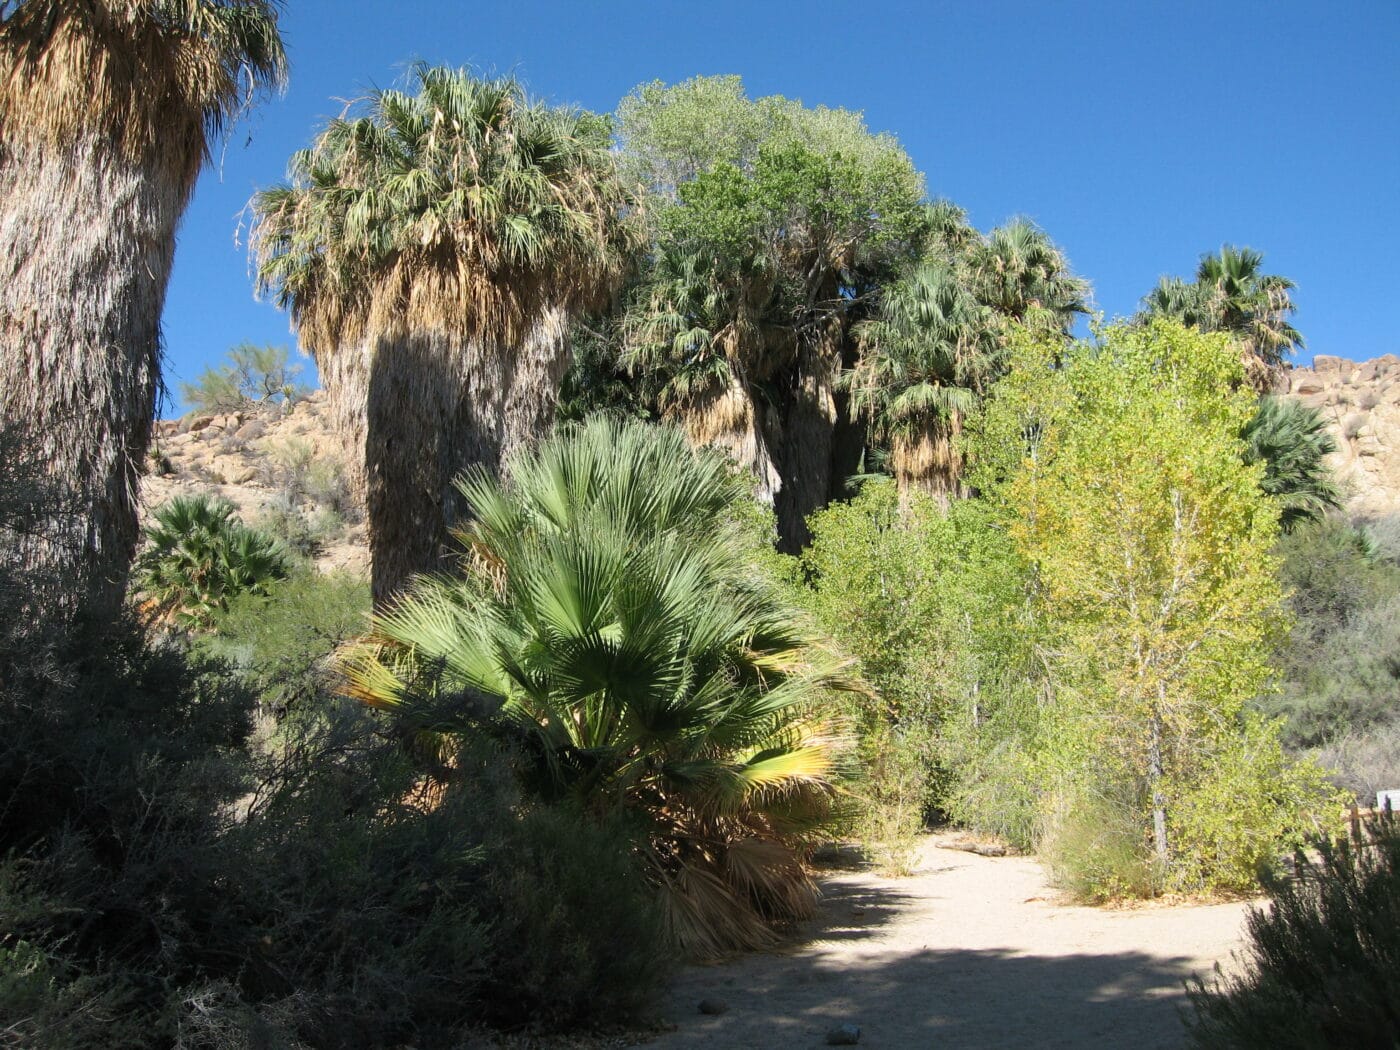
(1138, 133)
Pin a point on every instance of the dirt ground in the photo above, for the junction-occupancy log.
(970, 951)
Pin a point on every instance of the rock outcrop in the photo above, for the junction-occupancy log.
(282, 469)
(1361, 403)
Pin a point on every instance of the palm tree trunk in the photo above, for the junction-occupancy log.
(809, 434)
(729, 419)
(422, 429)
(929, 461)
(345, 376)
(534, 388)
(87, 238)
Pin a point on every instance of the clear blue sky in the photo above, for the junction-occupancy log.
(1138, 133)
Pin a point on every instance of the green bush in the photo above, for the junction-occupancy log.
(198, 556)
(1339, 675)
(1322, 962)
(927, 601)
(280, 642)
(253, 375)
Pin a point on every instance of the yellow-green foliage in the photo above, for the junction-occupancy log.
(1154, 572)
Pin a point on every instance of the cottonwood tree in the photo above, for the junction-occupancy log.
(1152, 546)
(772, 223)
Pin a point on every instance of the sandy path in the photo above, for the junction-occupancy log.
(970, 951)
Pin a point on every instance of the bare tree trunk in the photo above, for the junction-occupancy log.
(87, 238)
(1155, 775)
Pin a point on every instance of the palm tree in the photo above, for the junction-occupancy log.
(923, 361)
(1292, 442)
(106, 114)
(1231, 294)
(703, 343)
(198, 556)
(606, 625)
(1020, 274)
(431, 250)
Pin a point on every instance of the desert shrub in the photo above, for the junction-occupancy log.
(405, 915)
(609, 621)
(1322, 962)
(253, 375)
(161, 885)
(1339, 674)
(1363, 762)
(279, 642)
(198, 556)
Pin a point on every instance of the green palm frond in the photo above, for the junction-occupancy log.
(608, 611)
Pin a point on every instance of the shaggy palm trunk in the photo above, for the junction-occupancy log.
(87, 238)
(728, 419)
(434, 410)
(345, 376)
(928, 461)
(422, 429)
(538, 370)
(809, 434)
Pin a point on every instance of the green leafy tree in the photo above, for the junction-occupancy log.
(1152, 548)
(771, 225)
(1231, 294)
(432, 247)
(606, 621)
(253, 376)
(927, 598)
(107, 112)
(198, 556)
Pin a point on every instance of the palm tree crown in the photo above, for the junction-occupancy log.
(431, 250)
(1231, 293)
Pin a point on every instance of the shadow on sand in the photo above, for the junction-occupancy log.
(928, 998)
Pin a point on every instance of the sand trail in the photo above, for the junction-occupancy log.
(970, 951)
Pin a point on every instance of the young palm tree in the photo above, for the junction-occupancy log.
(1231, 294)
(1292, 442)
(606, 625)
(106, 113)
(198, 556)
(923, 361)
(431, 250)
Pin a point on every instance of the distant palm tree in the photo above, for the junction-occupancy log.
(923, 361)
(432, 250)
(607, 625)
(1232, 294)
(107, 109)
(1020, 274)
(1292, 442)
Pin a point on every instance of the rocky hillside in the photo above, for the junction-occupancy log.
(1362, 405)
(283, 469)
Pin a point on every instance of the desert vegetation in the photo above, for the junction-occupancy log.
(841, 530)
